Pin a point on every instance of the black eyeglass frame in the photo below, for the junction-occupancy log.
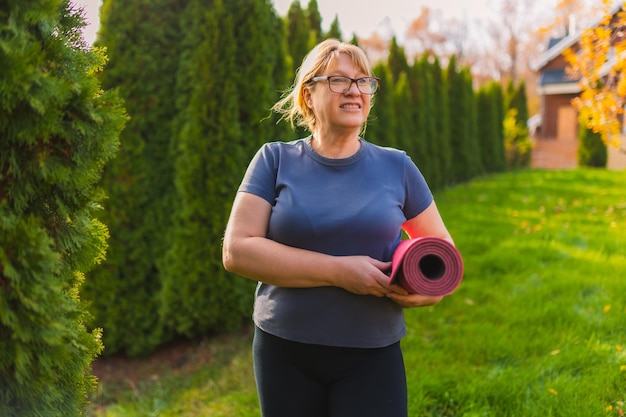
(352, 81)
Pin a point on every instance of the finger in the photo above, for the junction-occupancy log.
(398, 290)
(383, 266)
(385, 283)
(399, 299)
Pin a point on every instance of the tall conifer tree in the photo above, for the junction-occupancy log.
(397, 61)
(405, 124)
(57, 130)
(466, 160)
(298, 34)
(475, 163)
(207, 145)
(520, 144)
(519, 101)
(422, 90)
(315, 21)
(227, 85)
(490, 122)
(143, 39)
(442, 125)
(498, 100)
(259, 70)
(334, 31)
(381, 120)
(299, 42)
(486, 126)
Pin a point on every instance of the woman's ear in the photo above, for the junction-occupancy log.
(307, 99)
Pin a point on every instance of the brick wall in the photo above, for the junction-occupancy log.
(561, 154)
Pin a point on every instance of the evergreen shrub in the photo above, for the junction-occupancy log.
(57, 130)
(592, 151)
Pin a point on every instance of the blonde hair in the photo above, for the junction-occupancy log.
(292, 106)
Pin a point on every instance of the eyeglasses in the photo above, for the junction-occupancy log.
(340, 84)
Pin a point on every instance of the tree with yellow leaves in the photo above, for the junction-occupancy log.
(598, 62)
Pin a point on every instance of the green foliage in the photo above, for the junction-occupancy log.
(592, 151)
(466, 158)
(259, 70)
(405, 124)
(423, 106)
(490, 126)
(535, 329)
(334, 31)
(315, 21)
(516, 99)
(58, 130)
(497, 95)
(208, 145)
(421, 113)
(125, 291)
(381, 120)
(441, 112)
(397, 60)
(517, 143)
(518, 146)
(199, 107)
(300, 38)
(298, 29)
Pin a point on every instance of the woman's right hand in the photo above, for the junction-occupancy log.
(365, 276)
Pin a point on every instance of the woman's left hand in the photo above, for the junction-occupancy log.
(413, 300)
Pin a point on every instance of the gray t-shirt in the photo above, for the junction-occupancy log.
(347, 206)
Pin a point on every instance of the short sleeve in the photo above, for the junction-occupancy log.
(260, 176)
(418, 194)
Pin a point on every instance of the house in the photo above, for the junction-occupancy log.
(556, 127)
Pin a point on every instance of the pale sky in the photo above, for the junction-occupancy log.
(362, 17)
(92, 11)
(365, 17)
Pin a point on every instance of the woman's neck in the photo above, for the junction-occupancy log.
(335, 146)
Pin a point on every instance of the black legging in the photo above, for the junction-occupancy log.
(303, 380)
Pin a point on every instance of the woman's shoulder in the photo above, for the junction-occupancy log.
(281, 145)
(386, 151)
(285, 143)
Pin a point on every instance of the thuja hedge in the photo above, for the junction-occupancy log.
(57, 130)
(202, 79)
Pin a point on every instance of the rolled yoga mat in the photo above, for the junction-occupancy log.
(427, 265)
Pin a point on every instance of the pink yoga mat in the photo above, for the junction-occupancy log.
(427, 265)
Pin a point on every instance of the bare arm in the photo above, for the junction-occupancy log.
(247, 252)
(427, 223)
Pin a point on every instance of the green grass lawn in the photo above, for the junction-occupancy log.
(537, 328)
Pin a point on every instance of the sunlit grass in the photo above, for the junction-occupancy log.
(537, 328)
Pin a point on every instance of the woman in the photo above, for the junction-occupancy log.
(315, 222)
